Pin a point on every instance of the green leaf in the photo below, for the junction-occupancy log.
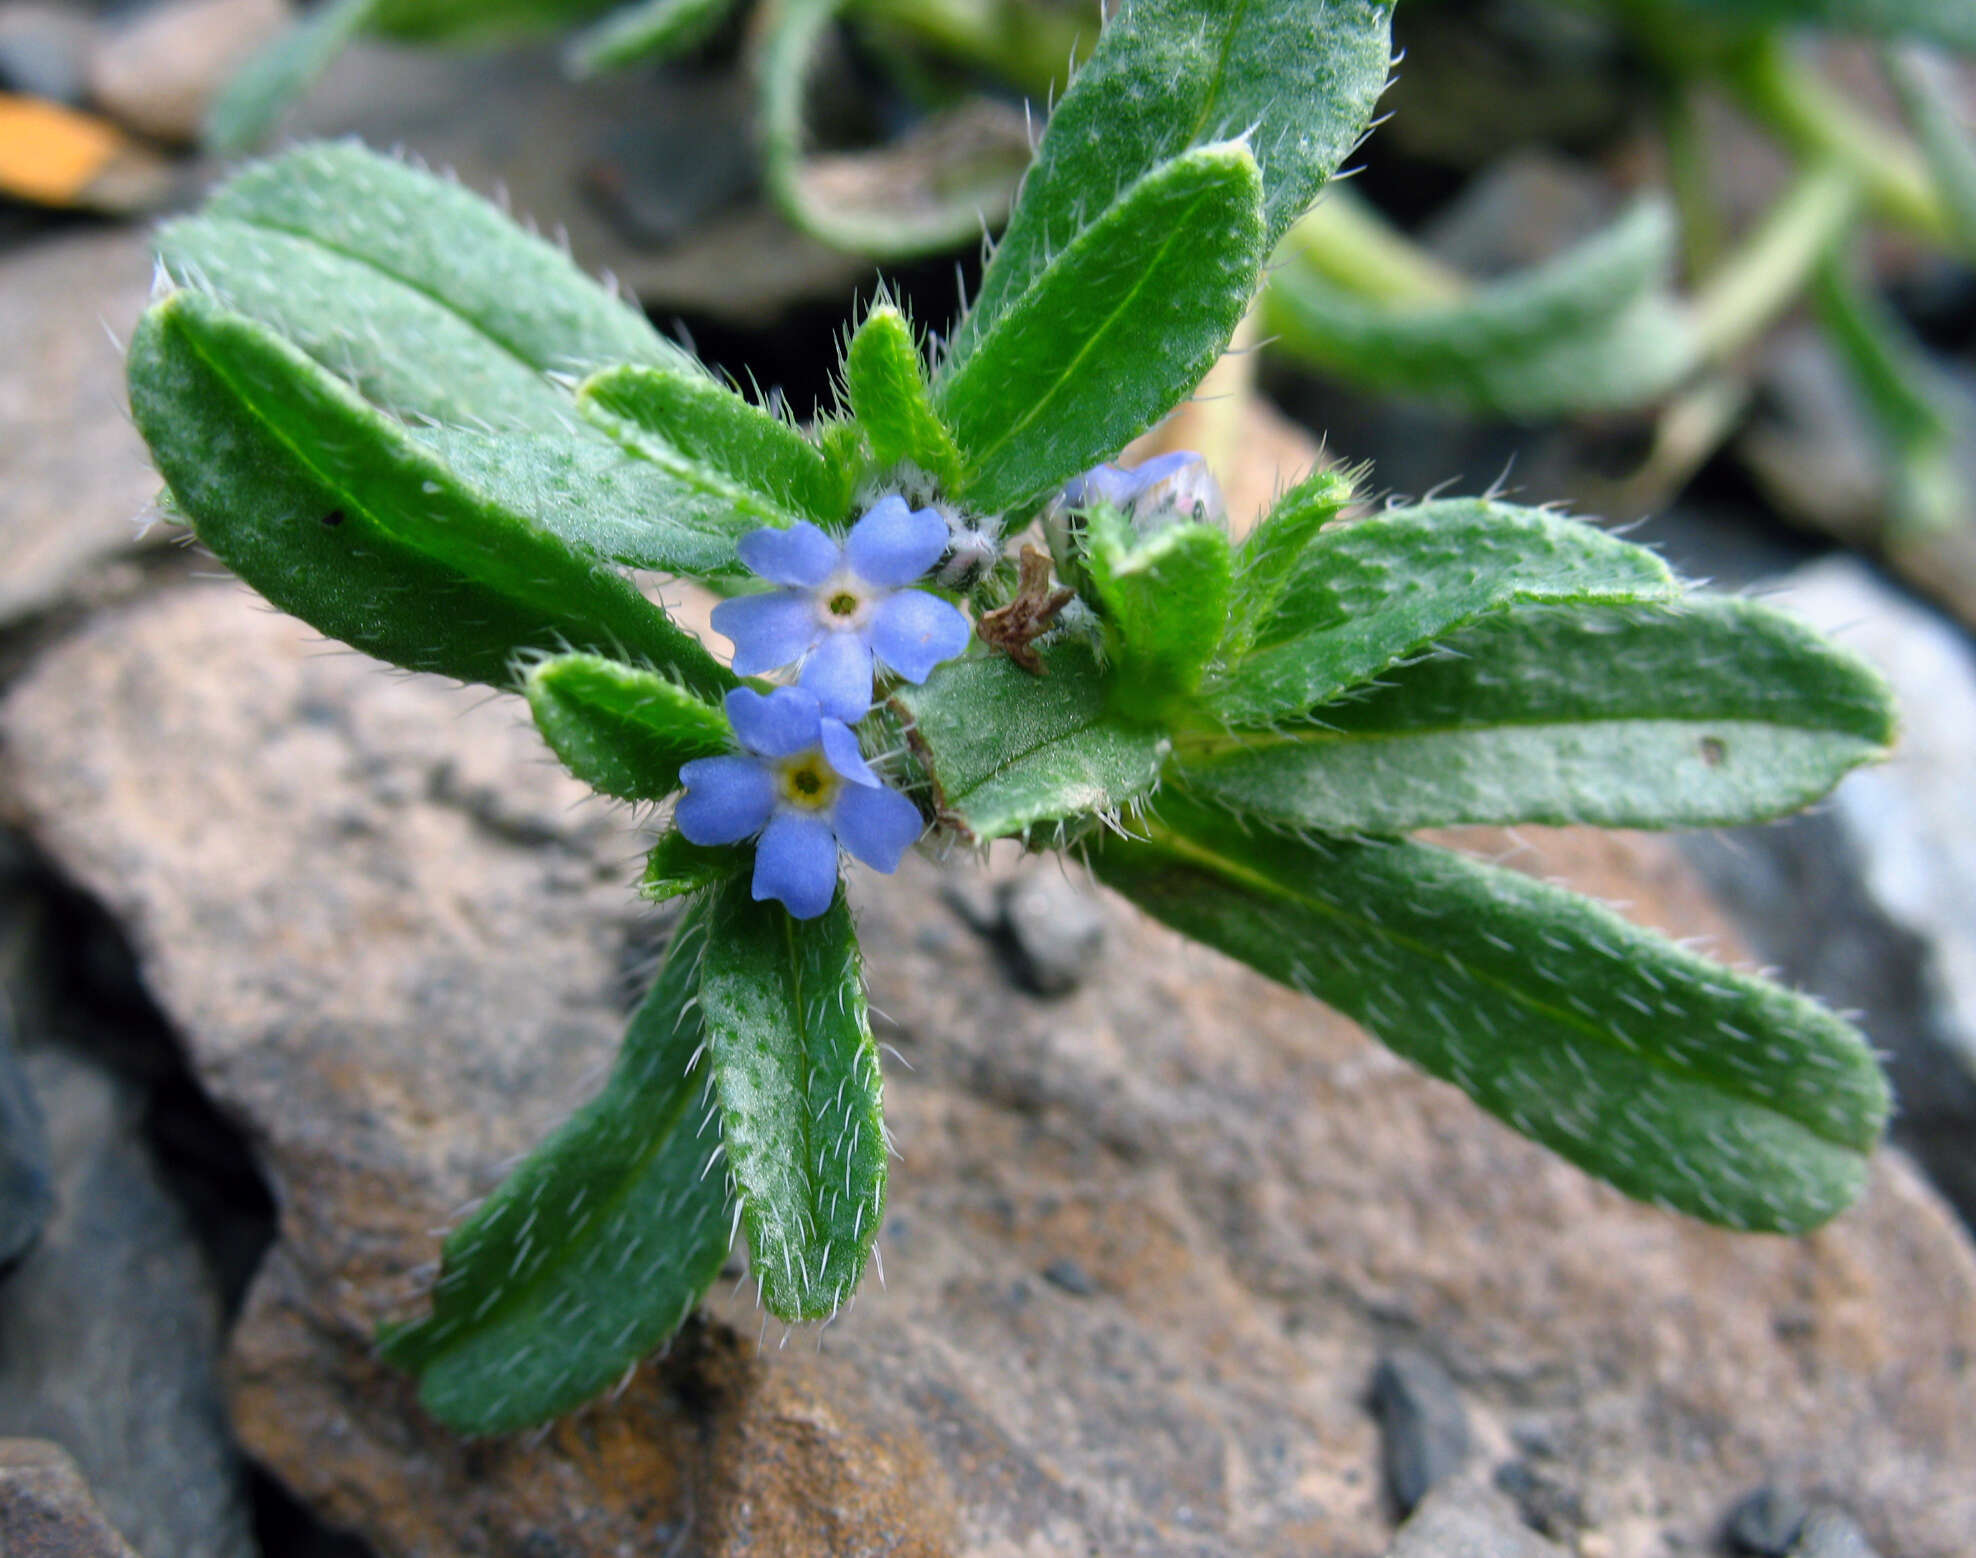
(646, 30)
(1165, 603)
(676, 866)
(337, 514)
(1379, 590)
(1296, 81)
(479, 21)
(1004, 750)
(426, 297)
(885, 383)
(1674, 1079)
(243, 114)
(934, 186)
(1944, 21)
(1111, 334)
(1270, 555)
(796, 1072)
(716, 446)
(1930, 98)
(1714, 712)
(602, 498)
(596, 1249)
(619, 729)
(1592, 329)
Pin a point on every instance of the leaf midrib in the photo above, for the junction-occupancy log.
(1209, 749)
(1190, 850)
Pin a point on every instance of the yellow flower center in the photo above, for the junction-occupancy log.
(807, 781)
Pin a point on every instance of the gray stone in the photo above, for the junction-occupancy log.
(110, 1330)
(77, 475)
(44, 50)
(159, 72)
(27, 1190)
(1261, 1198)
(1055, 930)
(1870, 902)
(1832, 1533)
(1462, 1521)
(1766, 1523)
(1423, 1425)
(45, 1507)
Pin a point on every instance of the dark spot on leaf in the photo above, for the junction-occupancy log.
(1714, 753)
(333, 518)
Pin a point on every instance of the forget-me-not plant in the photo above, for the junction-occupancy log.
(403, 419)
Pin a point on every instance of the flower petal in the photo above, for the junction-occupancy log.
(727, 799)
(894, 545)
(767, 631)
(913, 632)
(838, 675)
(776, 724)
(796, 862)
(802, 555)
(1101, 484)
(878, 826)
(841, 751)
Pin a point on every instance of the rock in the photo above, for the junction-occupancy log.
(1766, 1522)
(44, 50)
(1832, 1533)
(77, 475)
(159, 73)
(110, 1330)
(45, 1507)
(1054, 931)
(1423, 1426)
(1071, 1277)
(395, 998)
(1544, 1502)
(27, 1190)
(1870, 902)
(1466, 1522)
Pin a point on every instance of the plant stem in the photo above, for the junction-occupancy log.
(1348, 243)
(1760, 281)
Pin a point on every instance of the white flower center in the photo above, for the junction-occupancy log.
(844, 601)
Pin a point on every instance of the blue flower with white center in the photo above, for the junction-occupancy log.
(804, 786)
(842, 606)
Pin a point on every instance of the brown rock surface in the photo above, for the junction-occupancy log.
(45, 1507)
(76, 474)
(398, 952)
(160, 72)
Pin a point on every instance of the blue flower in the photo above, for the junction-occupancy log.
(1166, 488)
(804, 786)
(842, 605)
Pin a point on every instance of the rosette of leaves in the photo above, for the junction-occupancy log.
(424, 432)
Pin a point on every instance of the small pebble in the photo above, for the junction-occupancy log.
(1071, 1277)
(1054, 931)
(1422, 1422)
(1832, 1533)
(159, 74)
(1765, 1523)
(44, 52)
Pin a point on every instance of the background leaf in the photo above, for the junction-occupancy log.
(644, 30)
(1005, 750)
(796, 1073)
(1112, 333)
(1375, 591)
(1297, 80)
(620, 729)
(336, 514)
(1678, 1081)
(257, 96)
(596, 1249)
(1711, 713)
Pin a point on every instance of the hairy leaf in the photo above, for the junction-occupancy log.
(1270, 555)
(246, 110)
(1297, 81)
(1379, 590)
(643, 30)
(1674, 1079)
(422, 294)
(1165, 603)
(676, 866)
(796, 1073)
(1591, 329)
(620, 729)
(335, 513)
(716, 446)
(595, 1250)
(1005, 750)
(1711, 713)
(1112, 333)
(885, 383)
